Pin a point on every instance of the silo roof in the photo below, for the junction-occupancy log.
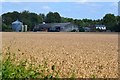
(17, 22)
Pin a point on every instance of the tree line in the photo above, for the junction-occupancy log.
(31, 19)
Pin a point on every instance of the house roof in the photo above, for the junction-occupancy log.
(100, 25)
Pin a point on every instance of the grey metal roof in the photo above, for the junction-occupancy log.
(59, 24)
(47, 25)
(43, 25)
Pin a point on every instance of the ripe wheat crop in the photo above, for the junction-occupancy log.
(82, 55)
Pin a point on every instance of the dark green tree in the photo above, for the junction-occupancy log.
(50, 17)
(117, 28)
(6, 28)
(28, 18)
(110, 21)
(57, 17)
(53, 17)
(43, 16)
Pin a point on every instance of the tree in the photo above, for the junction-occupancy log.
(6, 28)
(53, 17)
(110, 21)
(43, 16)
(7, 18)
(57, 17)
(49, 17)
(117, 28)
(28, 18)
(31, 19)
(35, 19)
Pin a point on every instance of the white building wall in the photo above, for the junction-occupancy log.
(101, 28)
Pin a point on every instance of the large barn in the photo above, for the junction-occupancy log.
(56, 27)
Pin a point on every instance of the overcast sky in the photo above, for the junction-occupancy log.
(79, 10)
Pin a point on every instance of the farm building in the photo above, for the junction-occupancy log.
(56, 27)
(94, 28)
(18, 26)
(87, 29)
(101, 27)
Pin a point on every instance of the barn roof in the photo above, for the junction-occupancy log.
(47, 25)
(59, 24)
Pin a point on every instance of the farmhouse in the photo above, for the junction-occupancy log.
(56, 27)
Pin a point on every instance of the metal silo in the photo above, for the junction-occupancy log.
(17, 26)
(25, 28)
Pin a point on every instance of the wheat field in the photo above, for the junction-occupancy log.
(85, 54)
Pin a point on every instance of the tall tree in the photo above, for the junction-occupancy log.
(57, 17)
(53, 17)
(110, 21)
(43, 16)
(117, 29)
(9, 17)
(28, 18)
(49, 17)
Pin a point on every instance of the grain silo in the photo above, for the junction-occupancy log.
(17, 26)
(25, 28)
